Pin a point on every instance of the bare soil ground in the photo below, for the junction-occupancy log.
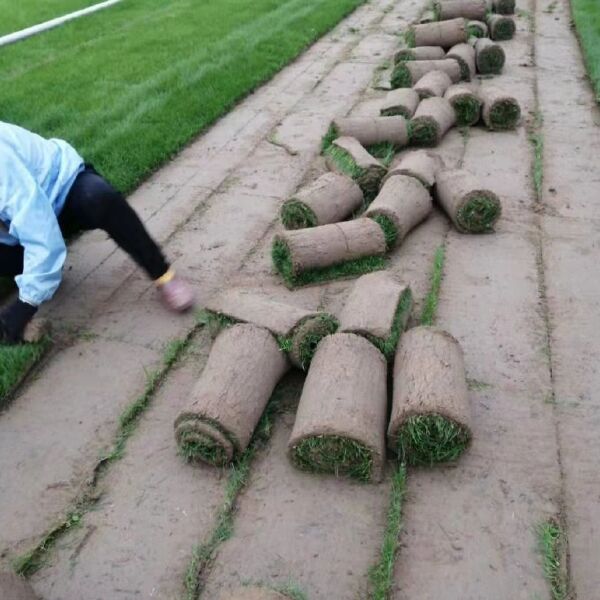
(523, 302)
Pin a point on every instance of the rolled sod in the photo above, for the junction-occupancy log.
(501, 28)
(420, 53)
(431, 121)
(466, 9)
(370, 131)
(346, 155)
(434, 83)
(466, 103)
(403, 101)
(329, 199)
(298, 330)
(340, 423)
(378, 308)
(477, 29)
(406, 74)
(420, 164)
(441, 33)
(430, 420)
(500, 111)
(489, 57)
(404, 201)
(15, 587)
(464, 54)
(329, 252)
(504, 7)
(253, 592)
(429, 16)
(471, 207)
(244, 365)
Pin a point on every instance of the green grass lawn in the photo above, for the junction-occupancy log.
(587, 20)
(19, 14)
(131, 85)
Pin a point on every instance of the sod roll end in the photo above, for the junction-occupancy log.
(466, 104)
(464, 54)
(340, 423)
(378, 308)
(504, 7)
(243, 367)
(489, 57)
(430, 420)
(477, 29)
(431, 121)
(500, 110)
(329, 199)
(501, 27)
(471, 207)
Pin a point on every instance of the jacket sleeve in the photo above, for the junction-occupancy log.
(34, 224)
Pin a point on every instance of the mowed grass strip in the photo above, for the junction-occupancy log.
(129, 86)
(586, 14)
(19, 14)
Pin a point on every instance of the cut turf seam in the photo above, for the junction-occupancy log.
(381, 575)
(552, 548)
(238, 473)
(32, 560)
(536, 138)
(431, 301)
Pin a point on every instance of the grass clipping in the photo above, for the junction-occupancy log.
(430, 419)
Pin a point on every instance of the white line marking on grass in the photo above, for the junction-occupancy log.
(11, 38)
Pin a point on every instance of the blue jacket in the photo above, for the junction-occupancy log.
(35, 177)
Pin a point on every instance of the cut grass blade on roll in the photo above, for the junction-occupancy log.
(296, 215)
(424, 440)
(388, 228)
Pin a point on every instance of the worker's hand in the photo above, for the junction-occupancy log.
(13, 320)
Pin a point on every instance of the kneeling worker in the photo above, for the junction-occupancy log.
(45, 189)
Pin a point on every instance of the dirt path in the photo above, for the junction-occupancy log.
(523, 303)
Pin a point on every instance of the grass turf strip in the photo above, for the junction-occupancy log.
(15, 363)
(586, 14)
(551, 545)
(133, 70)
(280, 254)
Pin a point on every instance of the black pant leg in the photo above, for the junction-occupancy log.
(11, 260)
(93, 203)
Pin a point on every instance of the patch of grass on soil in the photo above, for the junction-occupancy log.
(283, 264)
(323, 326)
(551, 544)
(328, 139)
(16, 362)
(536, 139)
(237, 478)
(381, 575)
(333, 454)
(147, 76)
(586, 14)
(430, 439)
(431, 301)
